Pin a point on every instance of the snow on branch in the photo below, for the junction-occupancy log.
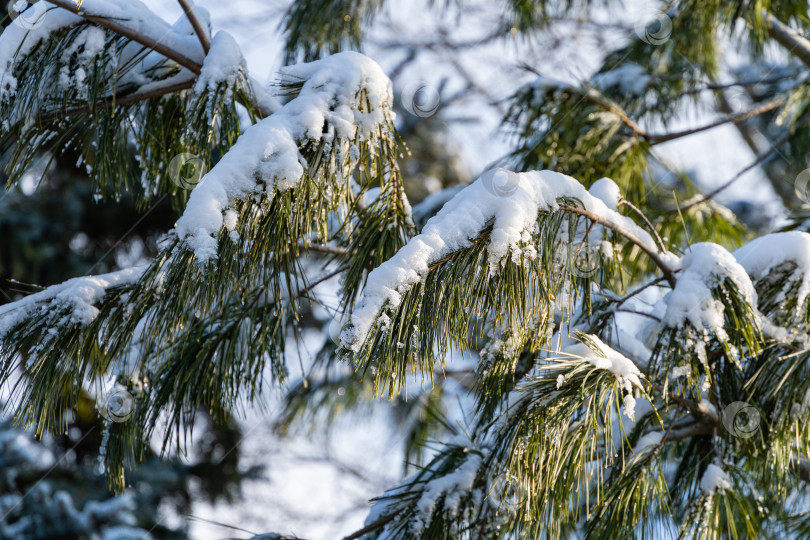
(91, 80)
(594, 351)
(703, 267)
(762, 256)
(344, 99)
(132, 19)
(510, 202)
(448, 491)
(778, 264)
(16, 42)
(714, 479)
(223, 64)
(79, 295)
(120, 47)
(129, 18)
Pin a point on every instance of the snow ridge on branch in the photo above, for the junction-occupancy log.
(512, 211)
(347, 92)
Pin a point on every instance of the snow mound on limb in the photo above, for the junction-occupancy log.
(510, 202)
(79, 294)
(331, 94)
(761, 256)
(222, 64)
(606, 190)
(18, 40)
(714, 479)
(601, 356)
(703, 267)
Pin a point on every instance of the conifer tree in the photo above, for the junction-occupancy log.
(641, 357)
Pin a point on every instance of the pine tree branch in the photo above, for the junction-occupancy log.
(195, 23)
(669, 428)
(113, 102)
(324, 249)
(668, 273)
(713, 86)
(118, 28)
(641, 313)
(759, 159)
(654, 139)
(733, 119)
(796, 44)
(595, 97)
(697, 409)
(750, 136)
(320, 280)
(688, 433)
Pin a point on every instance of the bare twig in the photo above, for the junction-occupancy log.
(759, 159)
(733, 119)
(642, 313)
(635, 209)
(631, 294)
(688, 433)
(595, 97)
(195, 23)
(668, 272)
(131, 34)
(751, 135)
(324, 249)
(713, 86)
(218, 524)
(669, 428)
(702, 411)
(320, 280)
(698, 410)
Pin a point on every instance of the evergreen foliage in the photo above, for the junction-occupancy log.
(587, 422)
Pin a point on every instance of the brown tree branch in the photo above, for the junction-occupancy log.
(688, 433)
(775, 174)
(636, 312)
(324, 249)
(796, 44)
(320, 280)
(195, 23)
(697, 410)
(733, 119)
(631, 294)
(118, 28)
(759, 159)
